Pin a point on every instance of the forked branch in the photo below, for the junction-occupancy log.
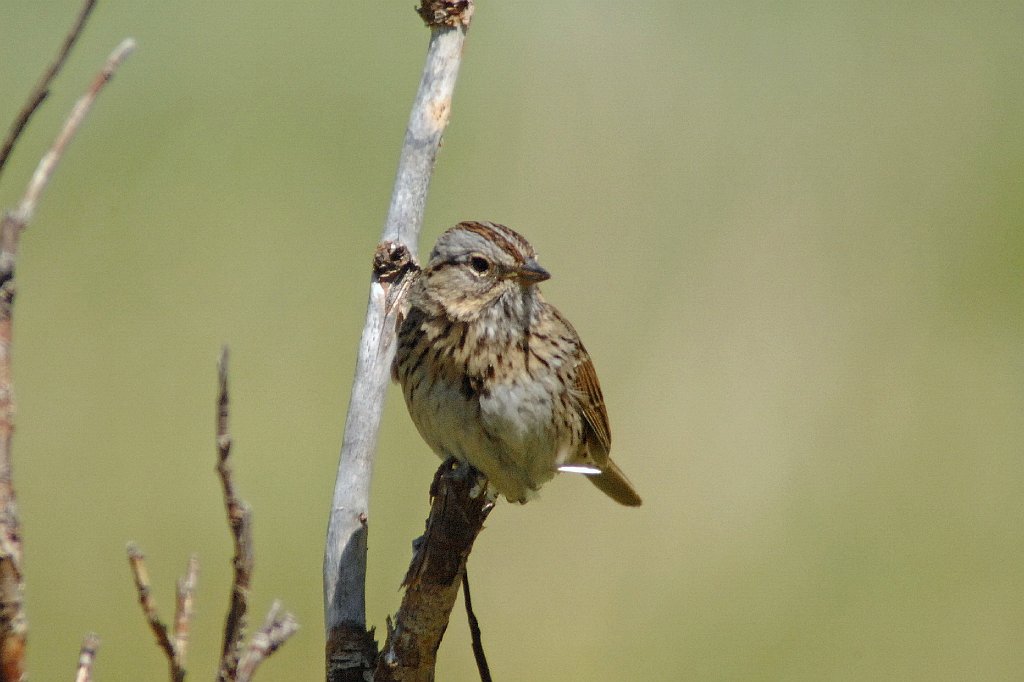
(238, 661)
(351, 649)
(13, 622)
(174, 643)
(276, 630)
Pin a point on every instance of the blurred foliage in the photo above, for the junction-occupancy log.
(791, 235)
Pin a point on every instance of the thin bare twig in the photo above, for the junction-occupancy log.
(276, 630)
(22, 215)
(86, 657)
(474, 631)
(13, 622)
(278, 627)
(350, 648)
(137, 561)
(42, 89)
(240, 521)
(184, 607)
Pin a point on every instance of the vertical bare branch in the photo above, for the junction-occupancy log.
(350, 649)
(240, 521)
(13, 622)
(42, 89)
(86, 657)
(457, 515)
(448, 21)
(278, 627)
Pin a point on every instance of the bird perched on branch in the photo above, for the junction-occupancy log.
(495, 376)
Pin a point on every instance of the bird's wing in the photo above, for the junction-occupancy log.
(597, 434)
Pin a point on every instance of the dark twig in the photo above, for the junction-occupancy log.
(237, 662)
(13, 622)
(137, 561)
(42, 89)
(474, 631)
(86, 657)
(350, 648)
(276, 630)
(457, 515)
(240, 521)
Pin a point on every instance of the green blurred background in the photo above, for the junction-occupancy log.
(791, 236)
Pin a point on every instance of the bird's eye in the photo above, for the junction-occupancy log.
(479, 264)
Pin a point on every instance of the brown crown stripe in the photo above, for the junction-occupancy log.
(510, 241)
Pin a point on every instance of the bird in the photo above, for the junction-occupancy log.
(494, 375)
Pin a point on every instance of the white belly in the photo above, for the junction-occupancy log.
(507, 433)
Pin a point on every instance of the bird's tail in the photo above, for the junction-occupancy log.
(613, 483)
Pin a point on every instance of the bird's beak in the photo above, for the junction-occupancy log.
(531, 272)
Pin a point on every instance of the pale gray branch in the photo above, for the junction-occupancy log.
(345, 555)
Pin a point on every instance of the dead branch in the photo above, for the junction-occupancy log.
(13, 622)
(276, 630)
(240, 521)
(350, 649)
(457, 515)
(238, 663)
(184, 607)
(86, 657)
(22, 215)
(42, 89)
(167, 644)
